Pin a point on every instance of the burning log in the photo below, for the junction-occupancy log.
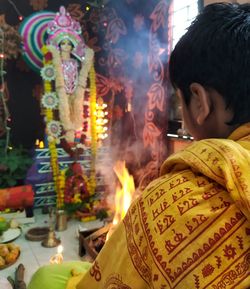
(92, 241)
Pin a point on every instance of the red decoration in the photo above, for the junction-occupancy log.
(16, 197)
(48, 56)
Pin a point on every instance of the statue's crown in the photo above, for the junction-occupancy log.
(64, 27)
(63, 22)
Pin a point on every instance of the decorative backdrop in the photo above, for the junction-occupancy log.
(130, 40)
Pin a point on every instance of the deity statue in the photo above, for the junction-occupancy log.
(72, 61)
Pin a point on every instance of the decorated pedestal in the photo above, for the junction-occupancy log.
(40, 174)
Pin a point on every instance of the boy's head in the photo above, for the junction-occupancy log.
(212, 60)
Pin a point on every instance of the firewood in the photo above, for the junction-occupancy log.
(19, 277)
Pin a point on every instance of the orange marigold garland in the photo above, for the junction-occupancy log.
(46, 101)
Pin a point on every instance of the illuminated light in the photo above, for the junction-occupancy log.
(20, 17)
(1, 55)
(87, 8)
(105, 24)
(172, 135)
(106, 113)
(100, 114)
(57, 258)
(41, 145)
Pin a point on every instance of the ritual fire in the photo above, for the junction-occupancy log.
(123, 197)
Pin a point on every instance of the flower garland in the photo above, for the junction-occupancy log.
(71, 117)
(58, 177)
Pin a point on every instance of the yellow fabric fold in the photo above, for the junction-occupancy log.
(74, 279)
(227, 162)
(190, 228)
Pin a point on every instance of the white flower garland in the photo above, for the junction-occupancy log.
(74, 123)
(48, 72)
(54, 128)
(49, 100)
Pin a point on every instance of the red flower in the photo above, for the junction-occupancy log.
(48, 56)
(76, 168)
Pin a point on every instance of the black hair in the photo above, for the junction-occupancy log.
(215, 52)
(60, 43)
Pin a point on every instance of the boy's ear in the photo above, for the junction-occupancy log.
(201, 102)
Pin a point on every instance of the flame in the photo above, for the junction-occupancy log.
(57, 258)
(59, 249)
(124, 192)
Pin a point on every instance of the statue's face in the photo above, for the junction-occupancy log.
(66, 45)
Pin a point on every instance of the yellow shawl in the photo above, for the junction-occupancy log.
(191, 227)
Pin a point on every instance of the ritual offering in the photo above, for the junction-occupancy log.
(9, 253)
(3, 225)
(9, 230)
(37, 233)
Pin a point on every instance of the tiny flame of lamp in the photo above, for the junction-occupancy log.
(57, 258)
(39, 144)
(124, 194)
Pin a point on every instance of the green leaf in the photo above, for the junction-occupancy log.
(17, 161)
